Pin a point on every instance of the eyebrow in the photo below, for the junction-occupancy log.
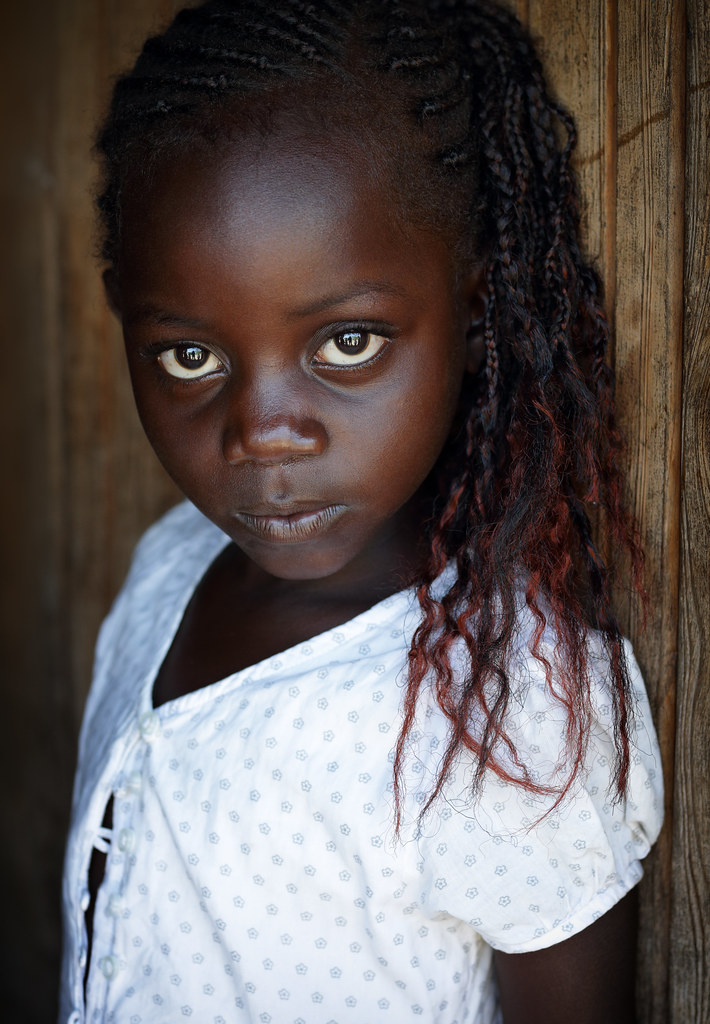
(154, 314)
(147, 312)
(356, 291)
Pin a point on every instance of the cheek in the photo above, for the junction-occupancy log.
(423, 430)
(430, 403)
(405, 438)
(181, 443)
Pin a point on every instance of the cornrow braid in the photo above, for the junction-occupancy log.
(209, 55)
(536, 444)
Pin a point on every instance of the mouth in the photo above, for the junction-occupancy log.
(289, 527)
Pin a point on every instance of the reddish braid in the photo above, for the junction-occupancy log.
(540, 445)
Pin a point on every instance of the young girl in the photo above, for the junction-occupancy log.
(364, 742)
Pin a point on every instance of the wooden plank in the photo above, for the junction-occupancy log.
(112, 484)
(28, 853)
(690, 951)
(86, 481)
(649, 312)
(581, 43)
(571, 40)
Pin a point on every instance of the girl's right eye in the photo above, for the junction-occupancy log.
(189, 361)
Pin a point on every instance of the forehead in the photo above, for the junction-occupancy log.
(286, 198)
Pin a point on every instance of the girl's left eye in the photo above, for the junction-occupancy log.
(189, 361)
(350, 348)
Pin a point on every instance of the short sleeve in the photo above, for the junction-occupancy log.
(524, 873)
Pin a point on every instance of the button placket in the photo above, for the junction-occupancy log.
(115, 905)
(149, 725)
(109, 966)
(109, 907)
(127, 789)
(126, 840)
(134, 782)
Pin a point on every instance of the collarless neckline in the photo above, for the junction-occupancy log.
(210, 547)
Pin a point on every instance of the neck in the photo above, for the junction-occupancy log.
(391, 561)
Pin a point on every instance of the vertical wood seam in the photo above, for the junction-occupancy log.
(686, 992)
(675, 70)
(610, 165)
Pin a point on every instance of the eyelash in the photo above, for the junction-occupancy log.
(167, 356)
(166, 353)
(370, 332)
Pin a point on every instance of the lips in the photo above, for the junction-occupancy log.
(289, 524)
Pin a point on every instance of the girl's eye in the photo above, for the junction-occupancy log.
(350, 348)
(189, 361)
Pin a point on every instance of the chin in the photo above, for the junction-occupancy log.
(290, 563)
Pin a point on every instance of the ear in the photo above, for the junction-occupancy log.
(476, 296)
(112, 291)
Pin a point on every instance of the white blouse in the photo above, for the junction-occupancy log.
(252, 871)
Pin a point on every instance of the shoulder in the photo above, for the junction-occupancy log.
(173, 551)
(176, 547)
(528, 870)
(168, 561)
(182, 532)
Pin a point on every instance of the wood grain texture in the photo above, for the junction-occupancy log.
(690, 949)
(87, 484)
(107, 462)
(32, 814)
(648, 318)
(85, 481)
(571, 39)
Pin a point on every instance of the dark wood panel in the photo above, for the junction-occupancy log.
(690, 950)
(571, 39)
(112, 486)
(648, 328)
(84, 482)
(30, 851)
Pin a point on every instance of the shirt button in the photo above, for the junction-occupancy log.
(126, 840)
(148, 725)
(114, 907)
(134, 783)
(108, 965)
(73, 1017)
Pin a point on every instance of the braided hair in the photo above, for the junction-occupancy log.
(483, 156)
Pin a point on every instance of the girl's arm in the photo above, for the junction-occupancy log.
(588, 979)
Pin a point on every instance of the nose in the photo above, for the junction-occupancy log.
(270, 423)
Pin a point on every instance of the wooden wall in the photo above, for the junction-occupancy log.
(80, 483)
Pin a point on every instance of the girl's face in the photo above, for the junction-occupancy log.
(296, 354)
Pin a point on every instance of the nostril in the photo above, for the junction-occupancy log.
(275, 440)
